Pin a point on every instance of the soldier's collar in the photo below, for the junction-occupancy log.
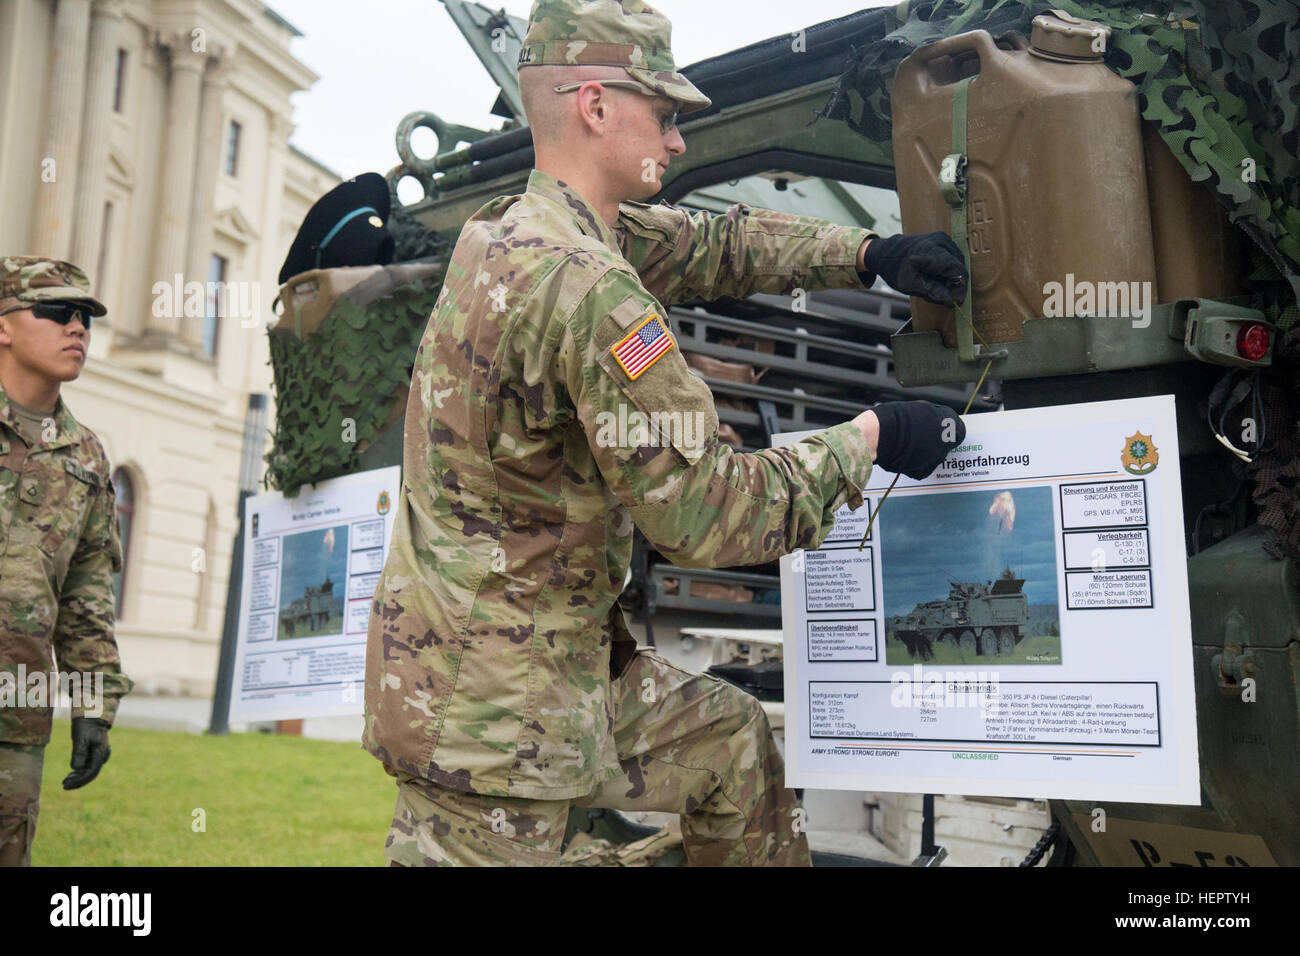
(69, 432)
(569, 199)
(7, 414)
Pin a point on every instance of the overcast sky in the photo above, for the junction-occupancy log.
(383, 59)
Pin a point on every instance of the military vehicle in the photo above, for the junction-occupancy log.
(988, 618)
(312, 611)
(803, 122)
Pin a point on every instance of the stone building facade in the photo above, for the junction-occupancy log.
(147, 141)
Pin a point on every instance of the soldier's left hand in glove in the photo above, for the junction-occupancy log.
(90, 751)
(929, 265)
(915, 437)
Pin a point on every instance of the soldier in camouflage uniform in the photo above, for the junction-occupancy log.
(502, 683)
(59, 545)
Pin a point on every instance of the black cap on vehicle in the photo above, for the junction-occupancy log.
(346, 227)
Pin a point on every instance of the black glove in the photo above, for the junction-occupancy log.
(90, 751)
(915, 437)
(928, 265)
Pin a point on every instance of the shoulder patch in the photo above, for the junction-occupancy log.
(646, 344)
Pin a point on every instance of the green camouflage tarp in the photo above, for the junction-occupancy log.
(335, 389)
(352, 367)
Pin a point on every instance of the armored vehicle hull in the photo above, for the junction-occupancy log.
(311, 612)
(988, 619)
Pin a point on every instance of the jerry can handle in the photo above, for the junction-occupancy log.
(978, 41)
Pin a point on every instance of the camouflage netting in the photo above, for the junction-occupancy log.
(356, 365)
(1221, 83)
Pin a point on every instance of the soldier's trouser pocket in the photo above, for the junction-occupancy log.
(20, 801)
(438, 826)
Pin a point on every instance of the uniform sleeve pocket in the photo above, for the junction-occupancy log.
(661, 223)
(669, 405)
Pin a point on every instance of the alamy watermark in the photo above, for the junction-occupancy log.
(1098, 299)
(83, 692)
(631, 428)
(128, 910)
(932, 689)
(196, 300)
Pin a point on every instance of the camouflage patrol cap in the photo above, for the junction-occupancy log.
(34, 279)
(626, 33)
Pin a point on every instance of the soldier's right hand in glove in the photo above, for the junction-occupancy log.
(915, 437)
(90, 751)
(929, 265)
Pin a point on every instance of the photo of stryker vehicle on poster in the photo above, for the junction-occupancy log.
(992, 594)
(1014, 625)
(311, 564)
(312, 609)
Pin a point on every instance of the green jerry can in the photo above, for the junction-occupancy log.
(1065, 186)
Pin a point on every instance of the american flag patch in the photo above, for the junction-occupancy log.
(643, 346)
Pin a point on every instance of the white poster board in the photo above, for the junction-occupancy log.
(1017, 624)
(311, 565)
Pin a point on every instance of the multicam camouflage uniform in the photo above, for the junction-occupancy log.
(59, 548)
(499, 662)
(502, 682)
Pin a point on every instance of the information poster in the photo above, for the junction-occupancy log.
(1015, 625)
(311, 566)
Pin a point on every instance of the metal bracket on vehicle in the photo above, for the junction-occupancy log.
(1233, 665)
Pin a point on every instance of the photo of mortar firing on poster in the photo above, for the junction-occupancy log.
(971, 577)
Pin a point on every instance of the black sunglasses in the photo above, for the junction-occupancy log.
(60, 312)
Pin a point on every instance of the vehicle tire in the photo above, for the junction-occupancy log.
(1007, 641)
(966, 641)
(925, 645)
(989, 642)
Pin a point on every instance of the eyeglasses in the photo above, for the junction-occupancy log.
(60, 312)
(666, 123)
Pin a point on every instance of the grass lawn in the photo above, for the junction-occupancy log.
(268, 800)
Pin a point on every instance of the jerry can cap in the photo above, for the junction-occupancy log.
(1064, 38)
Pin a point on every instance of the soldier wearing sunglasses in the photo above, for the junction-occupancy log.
(59, 545)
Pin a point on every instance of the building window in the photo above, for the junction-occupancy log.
(216, 304)
(232, 149)
(119, 83)
(125, 494)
